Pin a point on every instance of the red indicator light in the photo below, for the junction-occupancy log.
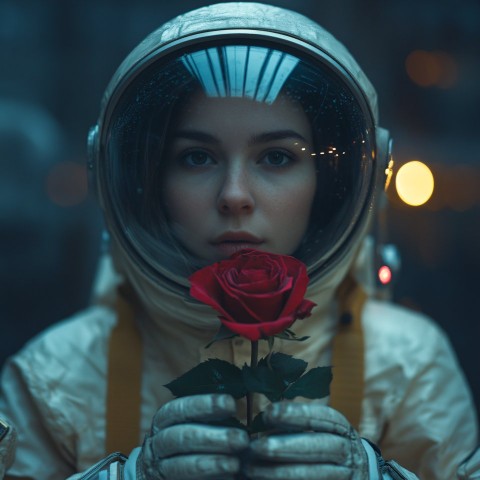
(384, 274)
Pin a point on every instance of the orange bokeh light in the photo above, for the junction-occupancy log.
(67, 184)
(429, 69)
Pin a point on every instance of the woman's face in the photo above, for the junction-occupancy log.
(239, 174)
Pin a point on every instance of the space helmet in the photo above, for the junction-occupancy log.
(235, 50)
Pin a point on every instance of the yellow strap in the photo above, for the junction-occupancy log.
(124, 381)
(348, 356)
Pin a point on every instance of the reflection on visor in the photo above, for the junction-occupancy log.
(241, 71)
(138, 137)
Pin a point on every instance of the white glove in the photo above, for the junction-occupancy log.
(325, 447)
(181, 447)
(8, 439)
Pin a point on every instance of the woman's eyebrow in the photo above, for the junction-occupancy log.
(205, 137)
(277, 135)
(196, 135)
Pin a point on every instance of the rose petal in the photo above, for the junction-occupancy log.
(251, 281)
(258, 331)
(205, 288)
(299, 289)
(264, 307)
(253, 310)
(272, 328)
(305, 309)
(257, 294)
(249, 331)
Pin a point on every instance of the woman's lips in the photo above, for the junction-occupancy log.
(232, 242)
(228, 248)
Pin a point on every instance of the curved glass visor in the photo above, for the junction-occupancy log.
(290, 126)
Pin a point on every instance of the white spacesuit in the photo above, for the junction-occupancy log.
(470, 467)
(7, 445)
(169, 165)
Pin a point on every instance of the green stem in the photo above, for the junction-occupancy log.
(253, 364)
(271, 340)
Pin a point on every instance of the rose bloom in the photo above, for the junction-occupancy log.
(257, 294)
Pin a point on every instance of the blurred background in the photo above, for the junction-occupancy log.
(56, 58)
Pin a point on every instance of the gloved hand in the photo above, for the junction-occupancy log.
(181, 447)
(8, 439)
(325, 447)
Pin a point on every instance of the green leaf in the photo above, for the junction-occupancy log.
(287, 367)
(223, 333)
(283, 335)
(289, 335)
(211, 376)
(263, 380)
(273, 375)
(314, 384)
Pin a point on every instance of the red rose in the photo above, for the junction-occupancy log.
(257, 294)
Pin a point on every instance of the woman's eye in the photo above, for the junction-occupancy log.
(277, 158)
(197, 158)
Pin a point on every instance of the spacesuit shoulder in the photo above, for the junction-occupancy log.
(417, 404)
(390, 322)
(402, 346)
(54, 390)
(72, 343)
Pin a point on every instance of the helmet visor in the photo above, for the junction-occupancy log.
(137, 138)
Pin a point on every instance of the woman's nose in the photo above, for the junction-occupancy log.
(236, 192)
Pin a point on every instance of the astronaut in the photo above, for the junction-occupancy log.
(239, 125)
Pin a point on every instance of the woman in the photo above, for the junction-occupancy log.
(237, 126)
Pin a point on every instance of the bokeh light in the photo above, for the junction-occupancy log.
(429, 69)
(67, 184)
(414, 183)
(384, 274)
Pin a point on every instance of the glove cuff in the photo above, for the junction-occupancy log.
(109, 468)
(144, 470)
(379, 468)
(8, 440)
